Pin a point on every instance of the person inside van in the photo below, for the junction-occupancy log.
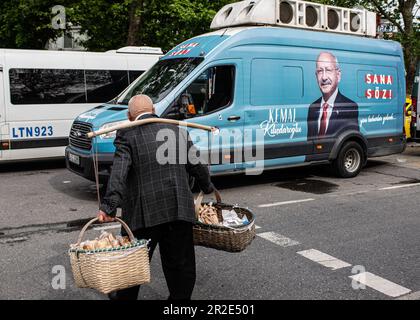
(223, 84)
(332, 113)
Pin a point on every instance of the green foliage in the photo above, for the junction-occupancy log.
(344, 3)
(163, 23)
(104, 21)
(26, 24)
(401, 14)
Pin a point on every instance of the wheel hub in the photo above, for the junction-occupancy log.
(352, 160)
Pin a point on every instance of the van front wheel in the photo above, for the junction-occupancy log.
(349, 161)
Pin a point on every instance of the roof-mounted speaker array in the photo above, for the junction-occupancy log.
(297, 14)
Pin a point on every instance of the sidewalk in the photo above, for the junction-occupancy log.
(410, 158)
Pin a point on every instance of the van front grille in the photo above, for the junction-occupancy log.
(78, 137)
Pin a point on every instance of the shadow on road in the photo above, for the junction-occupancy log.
(33, 165)
(82, 189)
(288, 176)
(271, 177)
(75, 186)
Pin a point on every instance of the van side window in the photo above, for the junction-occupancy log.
(134, 75)
(61, 86)
(46, 86)
(276, 82)
(210, 91)
(293, 86)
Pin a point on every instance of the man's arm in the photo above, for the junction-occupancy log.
(198, 170)
(118, 178)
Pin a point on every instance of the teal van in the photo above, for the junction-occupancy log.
(299, 96)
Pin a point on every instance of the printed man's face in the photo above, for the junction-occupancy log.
(328, 75)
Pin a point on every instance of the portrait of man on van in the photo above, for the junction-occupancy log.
(333, 112)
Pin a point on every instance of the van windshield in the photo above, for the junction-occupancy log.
(159, 80)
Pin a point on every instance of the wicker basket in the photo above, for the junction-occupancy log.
(230, 239)
(108, 270)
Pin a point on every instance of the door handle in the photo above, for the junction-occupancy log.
(234, 118)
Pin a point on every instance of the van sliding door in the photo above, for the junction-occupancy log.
(277, 110)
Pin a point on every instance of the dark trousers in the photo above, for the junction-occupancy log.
(177, 255)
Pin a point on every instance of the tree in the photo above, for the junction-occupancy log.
(27, 24)
(105, 22)
(109, 24)
(403, 15)
(135, 18)
(112, 24)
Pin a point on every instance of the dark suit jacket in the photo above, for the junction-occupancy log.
(150, 193)
(344, 116)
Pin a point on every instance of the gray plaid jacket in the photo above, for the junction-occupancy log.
(148, 192)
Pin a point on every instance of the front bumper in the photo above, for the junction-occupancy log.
(85, 168)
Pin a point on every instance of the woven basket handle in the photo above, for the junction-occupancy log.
(200, 197)
(87, 225)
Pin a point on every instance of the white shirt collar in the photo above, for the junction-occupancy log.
(331, 100)
(142, 114)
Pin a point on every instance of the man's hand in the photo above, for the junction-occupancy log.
(103, 217)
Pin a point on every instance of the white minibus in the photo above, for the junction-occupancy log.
(41, 92)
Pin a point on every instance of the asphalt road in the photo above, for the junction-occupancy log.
(315, 233)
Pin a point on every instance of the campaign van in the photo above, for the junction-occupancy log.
(285, 83)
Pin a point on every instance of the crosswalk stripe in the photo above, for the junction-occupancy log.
(411, 296)
(380, 284)
(278, 239)
(324, 259)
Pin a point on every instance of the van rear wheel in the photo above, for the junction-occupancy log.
(350, 160)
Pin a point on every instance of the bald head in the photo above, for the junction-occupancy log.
(139, 104)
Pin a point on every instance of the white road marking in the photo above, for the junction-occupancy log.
(12, 240)
(401, 186)
(324, 259)
(380, 284)
(114, 226)
(278, 239)
(283, 203)
(352, 193)
(257, 227)
(411, 296)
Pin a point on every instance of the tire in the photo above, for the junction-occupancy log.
(350, 160)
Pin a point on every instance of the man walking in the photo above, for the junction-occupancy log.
(155, 198)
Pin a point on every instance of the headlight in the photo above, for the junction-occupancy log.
(112, 134)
